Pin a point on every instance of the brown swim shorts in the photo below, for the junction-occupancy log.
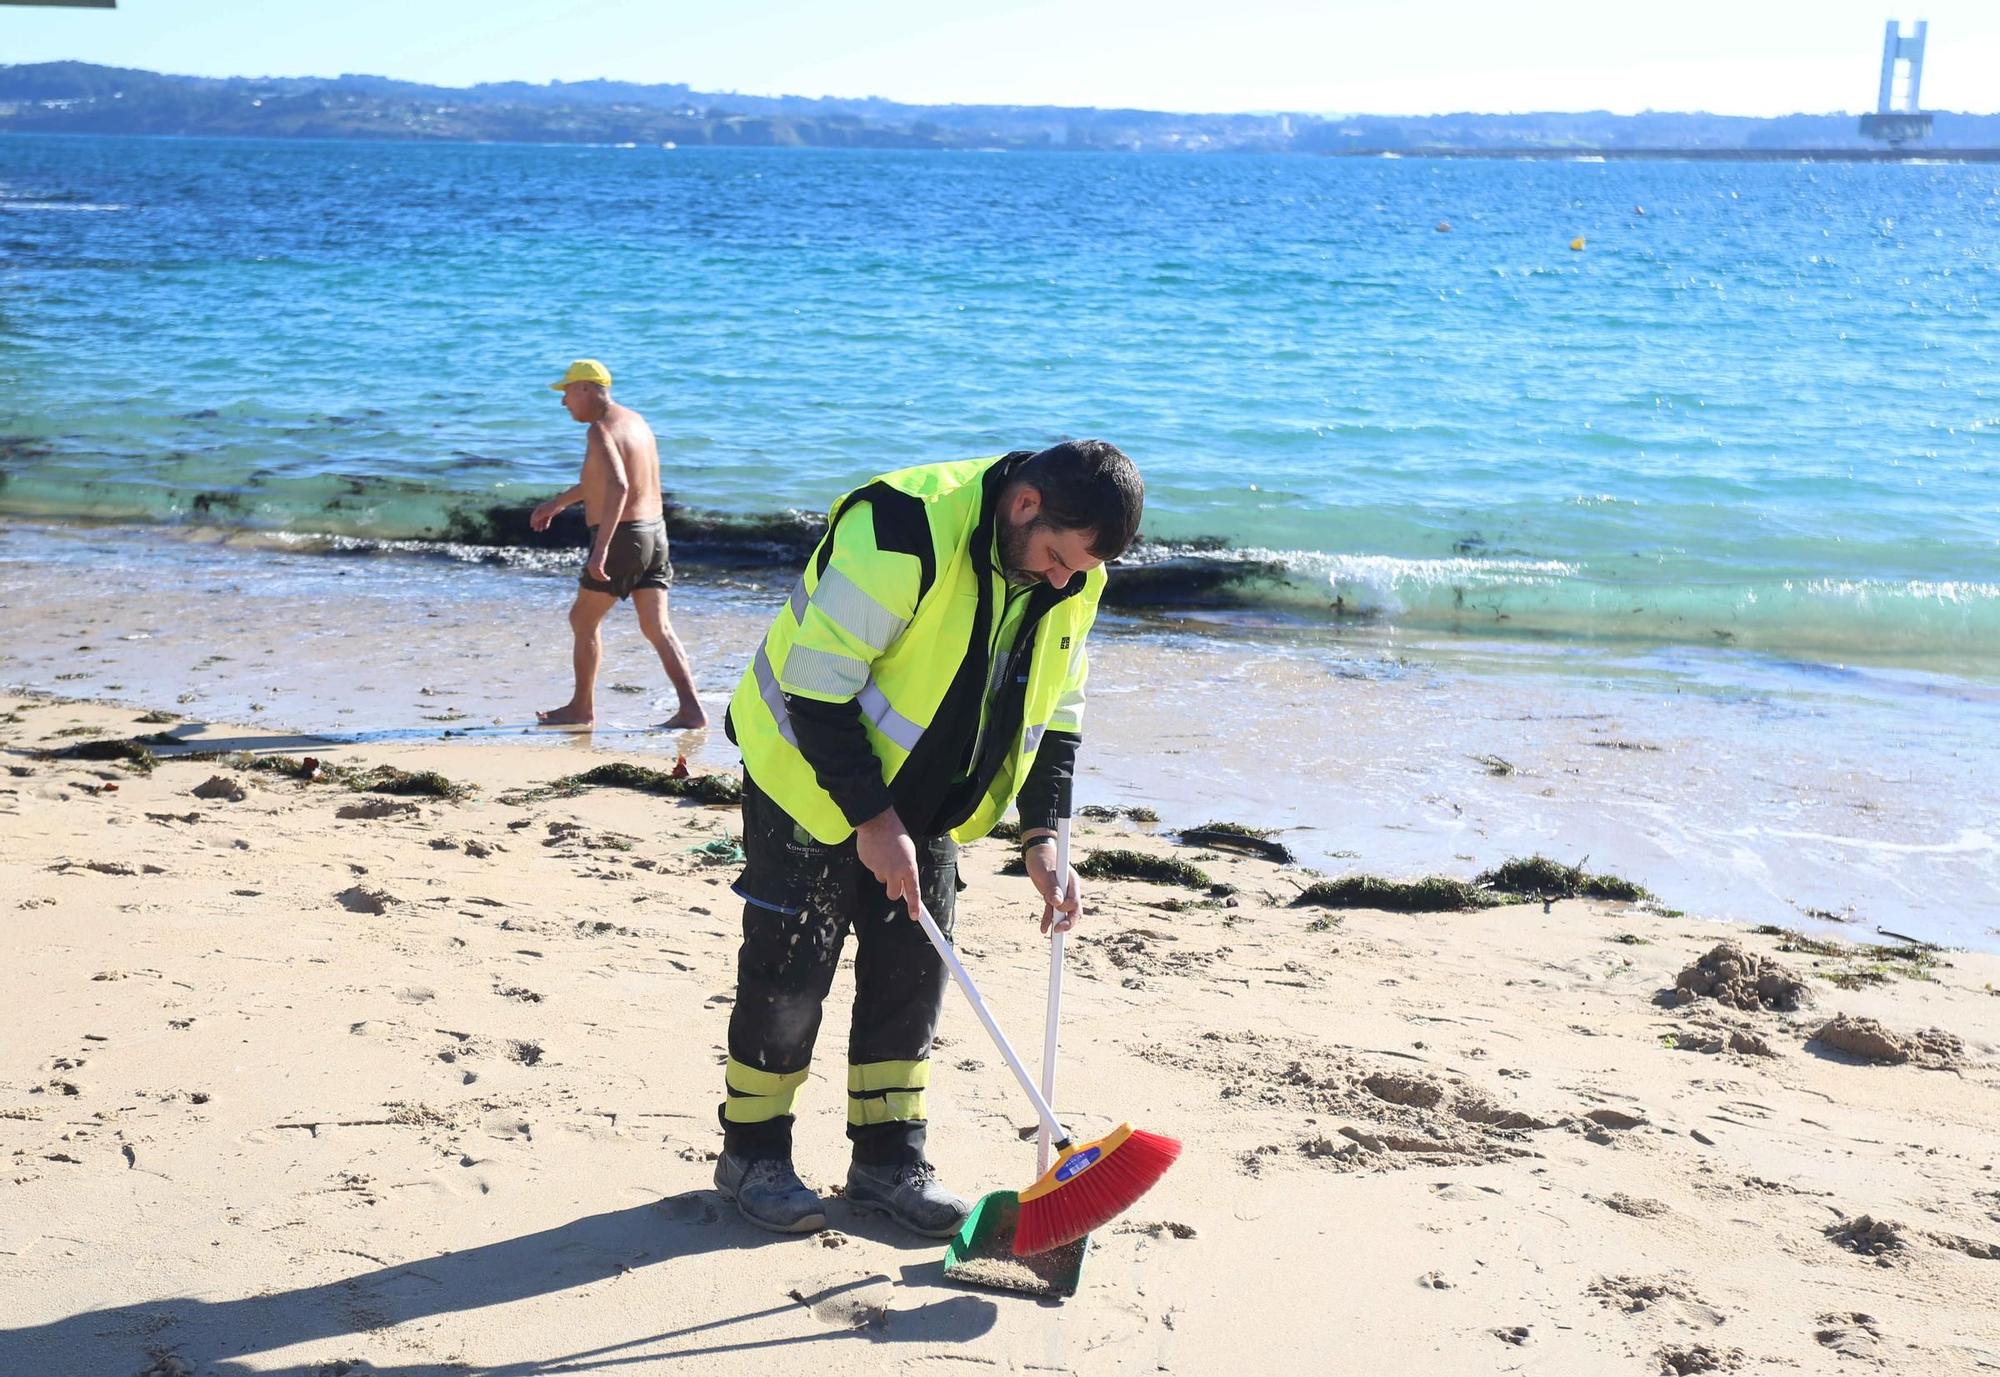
(635, 558)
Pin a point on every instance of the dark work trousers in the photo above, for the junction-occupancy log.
(801, 899)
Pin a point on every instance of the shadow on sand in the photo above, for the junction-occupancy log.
(207, 1338)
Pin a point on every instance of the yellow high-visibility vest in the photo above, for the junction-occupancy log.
(888, 614)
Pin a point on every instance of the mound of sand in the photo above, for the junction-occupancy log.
(1864, 1037)
(1868, 1236)
(1715, 1038)
(1742, 980)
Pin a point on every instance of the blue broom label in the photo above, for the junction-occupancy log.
(1078, 1163)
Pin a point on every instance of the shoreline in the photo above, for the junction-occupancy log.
(1747, 789)
(306, 1073)
(1175, 584)
(1696, 155)
(1530, 153)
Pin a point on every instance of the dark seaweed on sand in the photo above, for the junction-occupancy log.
(387, 779)
(716, 788)
(131, 750)
(1519, 880)
(1098, 812)
(1432, 894)
(379, 779)
(1538, 877)
(1234, 836)
(1137, 865)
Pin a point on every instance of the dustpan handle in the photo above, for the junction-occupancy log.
(1056, 935)
(1048, 1116)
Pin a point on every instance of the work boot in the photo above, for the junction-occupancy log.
(910, 1194)
(769, 1194)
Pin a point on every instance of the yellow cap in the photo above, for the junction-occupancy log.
(584, 370)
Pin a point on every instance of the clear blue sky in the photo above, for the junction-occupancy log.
(1753, 57)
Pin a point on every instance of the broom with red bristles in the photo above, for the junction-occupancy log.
(1090, 1184)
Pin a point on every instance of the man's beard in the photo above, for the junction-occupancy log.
(1014, 554)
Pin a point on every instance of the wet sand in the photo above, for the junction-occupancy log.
(1840, 798)
(306, 1079)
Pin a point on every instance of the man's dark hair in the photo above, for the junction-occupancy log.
(1088, 485)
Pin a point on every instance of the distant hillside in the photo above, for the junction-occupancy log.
(81, 98)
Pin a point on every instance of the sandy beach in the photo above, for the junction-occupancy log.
(308, 1078)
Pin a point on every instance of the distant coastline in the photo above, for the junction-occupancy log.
(84, 98)
(1923, 153)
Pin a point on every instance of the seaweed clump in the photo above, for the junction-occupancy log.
(618, 774)
(1538, 877)
(1431, 894)
(1134, 812)
(1234, 836)
(387, 779)
(379, 779)
(1137, 865)
(131, 750)
(1792, 940)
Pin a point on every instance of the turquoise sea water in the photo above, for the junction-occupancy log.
(1760, 409)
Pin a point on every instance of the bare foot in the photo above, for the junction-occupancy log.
(565, 716)
(687, 719)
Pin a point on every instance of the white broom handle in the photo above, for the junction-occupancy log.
(1055, 991)
(1048, 1116)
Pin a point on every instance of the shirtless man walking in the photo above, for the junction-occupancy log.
(620, 492)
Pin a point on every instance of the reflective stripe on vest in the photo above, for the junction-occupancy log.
(874, 704)
(892, 724)
(842, 635)
(850, 607)
(773, 696)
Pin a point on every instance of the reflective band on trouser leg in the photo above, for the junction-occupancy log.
(757, 1097)
(886, 1092)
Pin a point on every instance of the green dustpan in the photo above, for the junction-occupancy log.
(983, 1253)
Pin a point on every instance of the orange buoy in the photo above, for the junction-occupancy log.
(1577, 244)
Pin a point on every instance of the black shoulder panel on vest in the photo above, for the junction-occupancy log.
(901, 525)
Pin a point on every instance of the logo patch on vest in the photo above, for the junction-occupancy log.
(1064, 645)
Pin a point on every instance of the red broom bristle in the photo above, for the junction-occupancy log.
(1096, 1195)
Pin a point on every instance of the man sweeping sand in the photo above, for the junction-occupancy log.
(620, 492)
(927, 671)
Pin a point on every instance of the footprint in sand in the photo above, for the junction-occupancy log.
(690, 1207)
(1639, 1207)
(1681, 1361)
(1662, 1295)
(376, 808)
(1615, 1118)
(1851, 1335)
(859, 1304)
